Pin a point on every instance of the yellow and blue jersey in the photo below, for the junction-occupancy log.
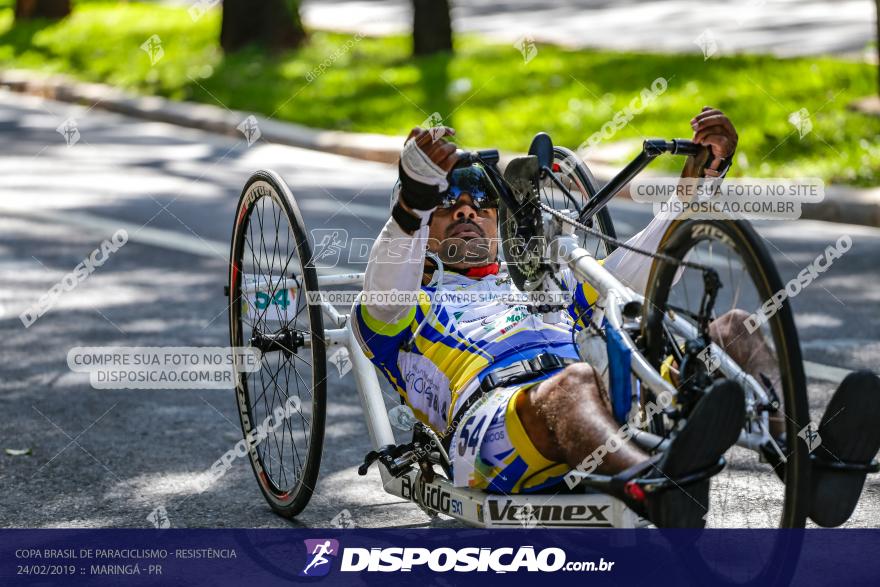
(436, 356)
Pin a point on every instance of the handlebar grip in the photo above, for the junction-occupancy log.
(686, 147)
(656, 147)
(489, 156)
(465, 157)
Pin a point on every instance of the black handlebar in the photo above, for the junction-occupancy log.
(487, 156)
(685, 147)
(651, 149)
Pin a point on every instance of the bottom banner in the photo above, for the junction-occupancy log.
(437, 556)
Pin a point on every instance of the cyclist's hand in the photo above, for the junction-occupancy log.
(715, 130)
(433, 142)
(425, 162)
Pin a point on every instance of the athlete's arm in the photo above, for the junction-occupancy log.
(711, 128)
(397, 258)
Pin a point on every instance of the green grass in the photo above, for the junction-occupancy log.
(485, 91)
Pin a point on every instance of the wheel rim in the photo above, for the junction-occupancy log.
(746, 493)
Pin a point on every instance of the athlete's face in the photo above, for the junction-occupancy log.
(463, 236)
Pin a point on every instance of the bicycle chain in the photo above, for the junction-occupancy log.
(619, 243)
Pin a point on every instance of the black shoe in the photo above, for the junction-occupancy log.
(849, 433)
(713, 427)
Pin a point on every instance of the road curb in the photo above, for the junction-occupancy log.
(841, 204)
(373, 147)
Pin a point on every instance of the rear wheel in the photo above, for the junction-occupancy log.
(748, 493)
(282, 405)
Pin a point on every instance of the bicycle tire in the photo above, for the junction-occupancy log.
(579, 172)
(284, 497)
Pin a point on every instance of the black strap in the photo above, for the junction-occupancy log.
(418, 195)
(723, 167)
(517, 372)
(619, 481)
(408, 221)
(521, 371)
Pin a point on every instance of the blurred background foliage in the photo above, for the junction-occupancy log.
(486, 91)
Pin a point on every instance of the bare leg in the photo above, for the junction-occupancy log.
(567, 417)
(751, 352)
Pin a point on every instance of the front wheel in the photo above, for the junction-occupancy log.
(765, 484)
(281, 405)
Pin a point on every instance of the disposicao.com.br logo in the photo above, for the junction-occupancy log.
(441, 560)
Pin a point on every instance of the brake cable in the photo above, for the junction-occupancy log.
(711, 281)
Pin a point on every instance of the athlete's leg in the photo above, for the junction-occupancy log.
(750, 351)
(848, 428)
(568, 416)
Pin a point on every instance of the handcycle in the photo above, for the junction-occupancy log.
(557, 209)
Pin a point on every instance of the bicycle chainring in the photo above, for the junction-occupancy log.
(522, 229)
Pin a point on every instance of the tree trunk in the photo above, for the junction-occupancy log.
(432, 27)
(41, 9)
(274, 24)
(877, 2)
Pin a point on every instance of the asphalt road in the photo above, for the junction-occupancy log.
(109, 458)
(781, 27)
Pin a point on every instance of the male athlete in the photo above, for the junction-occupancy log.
(454, 361)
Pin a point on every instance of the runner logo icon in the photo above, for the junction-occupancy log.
(319, 555)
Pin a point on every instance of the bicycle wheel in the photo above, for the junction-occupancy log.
(282, 405)
(746, 493)
(574, 174)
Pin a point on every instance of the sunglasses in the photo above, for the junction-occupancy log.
(474, 182)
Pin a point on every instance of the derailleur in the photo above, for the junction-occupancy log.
(697, 362)
(694, 373)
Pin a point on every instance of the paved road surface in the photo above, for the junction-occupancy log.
(782, 27)
(108, 458)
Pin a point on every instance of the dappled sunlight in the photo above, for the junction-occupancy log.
(20, 228)
(853, 353)
(144, 326)
(776, 27)
(346, 429)
(806, 321)
(111, 294)
(93, 522)
(852, 284)
(149, 488)
(77, 173)
(310, 170)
